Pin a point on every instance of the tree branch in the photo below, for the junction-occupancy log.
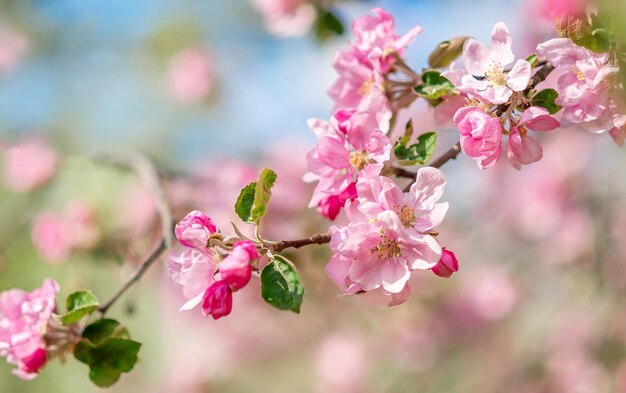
(319, 238)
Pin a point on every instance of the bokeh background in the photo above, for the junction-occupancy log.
(203, 89)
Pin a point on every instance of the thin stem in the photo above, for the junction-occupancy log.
(319, 238)
(153, 257)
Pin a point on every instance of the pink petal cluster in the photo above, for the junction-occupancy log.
(206, 278)
(389, 234)
(29, 164)
(287, 18)
(23, 320)
(488, 74)
(363, 64)
(56, 234)
(588, 97)
(190, 75)
(350, 143)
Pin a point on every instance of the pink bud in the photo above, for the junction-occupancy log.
(330, 207)
(447, 265)
(194, 230)
(235, 268)
(218, 300)
(34, 362)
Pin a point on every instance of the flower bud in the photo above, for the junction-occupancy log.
(195, 230)
(447, 265)
(235, 268)
(218, 300)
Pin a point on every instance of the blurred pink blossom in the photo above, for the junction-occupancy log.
(13, 47)
(190, 75)
(23, 320)
(490, 293)
(286, 18)
(29, 164)
(341, 364)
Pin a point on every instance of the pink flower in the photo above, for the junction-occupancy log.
(447, 265)
(523, 149)
(195, 230)
(235, 269)
(23, 320)
(330, 206)
(190, 75)
(195, 271)
(488, 76)
(481, 135)
(347, 145)
(362, 66)
(286, 18)
(217, 300)
(29, 164)
(584, 94)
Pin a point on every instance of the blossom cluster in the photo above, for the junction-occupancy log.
(494, 98)
(207, 276)
(24, 319)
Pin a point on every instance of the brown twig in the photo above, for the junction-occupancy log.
(319, 238)
(150, 177)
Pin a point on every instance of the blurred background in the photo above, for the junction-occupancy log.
(213, 91)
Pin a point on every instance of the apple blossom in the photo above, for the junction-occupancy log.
(29, 164)
(523, 149)
(235, 269)
(488, 76)
(195, 230)
(481, 135)
(217, 300)
(190, 75)
(285, 18)
(23, 321)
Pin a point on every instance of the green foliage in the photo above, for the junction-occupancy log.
(595, 33)
(244, 203)
(280, 285)
(107, 350)
(446, 52)
(78, 305)
(254, 198)
(545, 99)
(327, 25)
(532, 59)
(417, 153)
(434, 87)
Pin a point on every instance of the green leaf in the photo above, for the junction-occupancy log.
(79, 304)
(418, 153)
(327, 25)
(446, 52)
(244, 203)
(262, 194)
(532, 59)
(280, 285)
(545, 99)
(434, 87)
(107, 350)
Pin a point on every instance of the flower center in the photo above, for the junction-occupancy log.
(495, 73)
(387, 248)
(366, 88)
(406, 215)
(358, 159)
(578, 73)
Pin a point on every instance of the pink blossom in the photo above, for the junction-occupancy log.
(190, 75)
(13, 47)
(55, 235)
(523, 149)
(195, 230)
(481, 135)
(286, 18)
(341, 363)
(235, 269)
(362, 66)
(347, 145)
(488, 76)
(586, 97)
(29, 164)
(195, 271)
(331, 205)
(23, 320)
(217, 300)
(447, 265)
